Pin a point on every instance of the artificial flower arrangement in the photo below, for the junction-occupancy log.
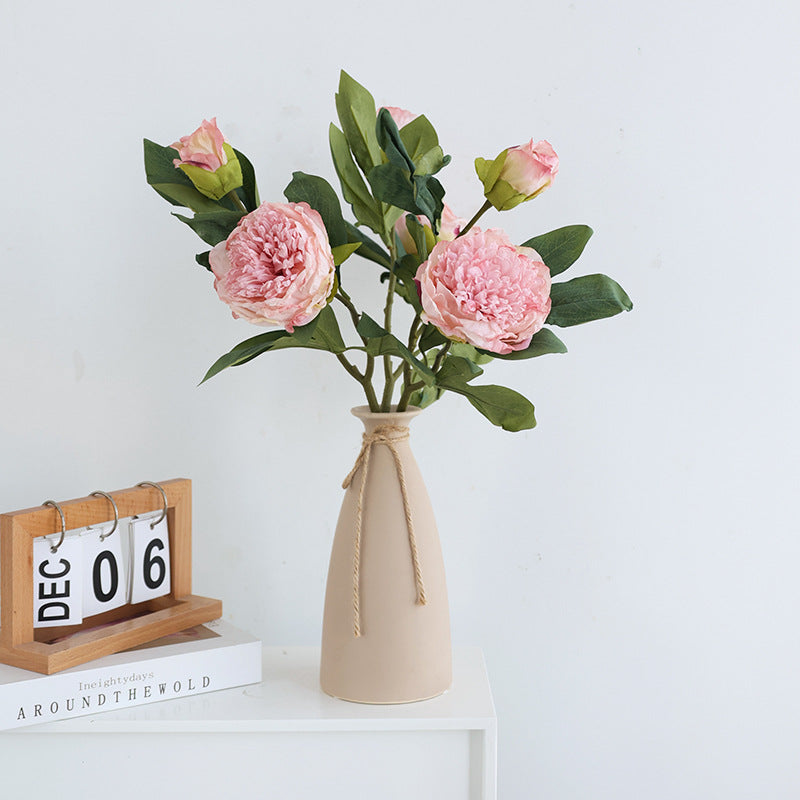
(475, 296)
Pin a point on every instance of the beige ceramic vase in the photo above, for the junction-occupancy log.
(386, 628)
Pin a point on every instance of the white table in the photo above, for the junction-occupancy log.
(281, 739)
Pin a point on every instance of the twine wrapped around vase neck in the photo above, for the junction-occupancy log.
(388, 435)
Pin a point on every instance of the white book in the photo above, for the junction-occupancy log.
(205, 658)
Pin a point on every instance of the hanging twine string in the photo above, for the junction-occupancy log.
(388, 435)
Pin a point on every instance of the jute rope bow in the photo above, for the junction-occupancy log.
(388, 435)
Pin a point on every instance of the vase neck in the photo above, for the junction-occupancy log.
(373, 420)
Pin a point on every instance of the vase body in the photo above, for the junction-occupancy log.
(392, 649)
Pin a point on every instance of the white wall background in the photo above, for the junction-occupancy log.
(630, 566)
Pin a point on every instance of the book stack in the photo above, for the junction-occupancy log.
(204, 658)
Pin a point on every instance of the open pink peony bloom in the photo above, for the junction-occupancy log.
(400, 116)
(482, 289)
(276, 268)
(530, 168)
(203, 148)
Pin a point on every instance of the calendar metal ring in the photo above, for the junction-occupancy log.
(104, 536)
(54, 548)
(163, 495)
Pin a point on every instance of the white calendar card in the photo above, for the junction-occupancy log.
(58, 580)
(149, 557)
(105, 568)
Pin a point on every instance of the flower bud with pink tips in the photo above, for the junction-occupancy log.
(209, 161)
(518, 174)
(449, 227)
(400, 116)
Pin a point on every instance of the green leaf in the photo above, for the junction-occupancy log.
(489, 171)
(356, 109)
(248, 191)
(393, 185)
(382, 343)
(561, 248)
(429, 198)
(202, 260)
(214, 227)
(343, 252)
(431, 337)
(365, 208)
(391, 142)
(422, 145)
(186, 196)
(466, 350)
(419, 138)
(501, 406)
(369, 249)
(432, 161)
(417, 232)
(585, 299)
(244, 351)
(543, 342)
(159, 167)
(425, 396)
(322, 333)
(419, 194)
(319, 194)
(456, 370)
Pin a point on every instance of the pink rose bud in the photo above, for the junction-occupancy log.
(209, 161)
(276, 267)
(483, 290)
(449, 227)
(400, 116)
(517, 174)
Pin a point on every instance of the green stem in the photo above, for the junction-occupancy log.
(389, 379)
(368, 387)
(236, 200)
(366, 379)
(408, 390)
(440, 357)
(481, 211)
(345, 300)
(362, 379)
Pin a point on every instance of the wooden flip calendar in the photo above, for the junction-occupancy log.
(54, 648)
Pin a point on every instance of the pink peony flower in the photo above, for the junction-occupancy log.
(482, 289)
(276, 267)
(449, 227)
(400, 116)
(530, 168)
(203, 148)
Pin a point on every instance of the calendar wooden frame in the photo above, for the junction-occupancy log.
(50, 650)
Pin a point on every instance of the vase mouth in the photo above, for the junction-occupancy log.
(363, 412)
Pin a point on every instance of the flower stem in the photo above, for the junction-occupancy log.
(408, 390)
(345, 300)
(440, 357)
(236, 200)
(481, 211)
(364, 380)
(389, 379)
